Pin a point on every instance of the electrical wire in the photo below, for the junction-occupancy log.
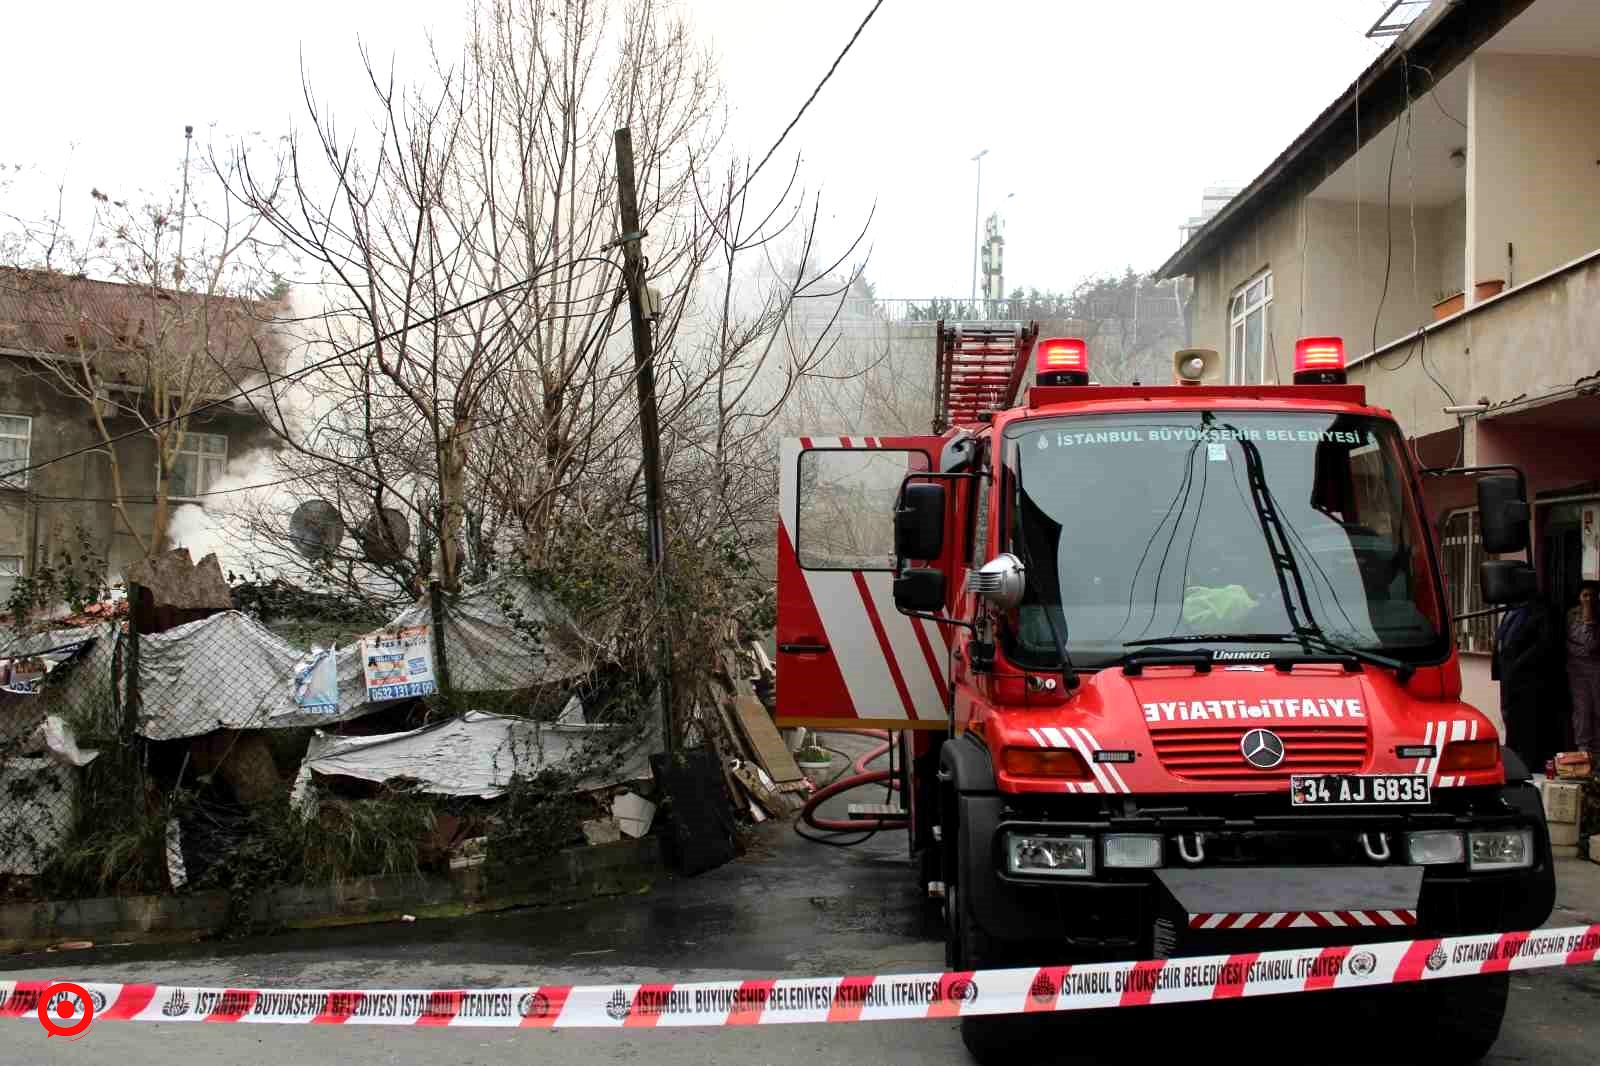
(274, 379)
(172, 499)
(1388, 228)
(1420, 346)
(798, 114)
(1433, 91)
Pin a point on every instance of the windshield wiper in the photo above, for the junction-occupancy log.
(1403, 671)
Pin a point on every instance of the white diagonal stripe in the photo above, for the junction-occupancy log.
(1088, 757)
(1056, 739)
(1438, 750)
(904, 646)
(1427, 738)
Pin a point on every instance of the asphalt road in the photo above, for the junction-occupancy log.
(788, 907)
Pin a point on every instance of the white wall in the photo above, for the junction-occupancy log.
(1343, 270)
(1450, 262)
(1533, 177)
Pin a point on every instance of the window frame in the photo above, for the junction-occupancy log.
(190, 436)
(1240, 309)
(18, 481)
(1473, 636)
(799, 506)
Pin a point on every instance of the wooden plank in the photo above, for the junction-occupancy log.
(770, 750)
(769, 801)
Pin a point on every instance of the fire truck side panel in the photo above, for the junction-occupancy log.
(846, 656)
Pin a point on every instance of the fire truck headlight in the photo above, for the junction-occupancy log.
(1049, 856)
(1435, 847)
(1511, 850)
(1133, 851)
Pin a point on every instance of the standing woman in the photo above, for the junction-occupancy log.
(1583, 666)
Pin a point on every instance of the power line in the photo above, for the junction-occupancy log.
(798, 114)
(272, 380)
(178, 500)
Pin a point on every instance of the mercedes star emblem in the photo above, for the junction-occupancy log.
(1262, 748)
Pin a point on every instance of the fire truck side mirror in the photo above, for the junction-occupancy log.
(1507, 581)
(1503, 514)
(919, 588)
(919, 523)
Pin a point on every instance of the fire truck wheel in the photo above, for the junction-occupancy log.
(1469, 1012)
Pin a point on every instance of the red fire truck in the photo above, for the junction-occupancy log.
(1170, 668)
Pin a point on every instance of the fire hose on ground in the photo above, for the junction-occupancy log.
(860, 778)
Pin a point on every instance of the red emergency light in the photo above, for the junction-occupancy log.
(1319, 361)
(1062, 361)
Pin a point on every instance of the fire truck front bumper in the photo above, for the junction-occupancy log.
(1175, 881)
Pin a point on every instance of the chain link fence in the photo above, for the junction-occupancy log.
(164, 749)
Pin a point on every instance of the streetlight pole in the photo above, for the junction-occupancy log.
(977, 202)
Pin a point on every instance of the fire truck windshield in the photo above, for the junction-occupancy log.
(1223, 523)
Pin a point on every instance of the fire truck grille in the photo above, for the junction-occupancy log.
(1214, 754)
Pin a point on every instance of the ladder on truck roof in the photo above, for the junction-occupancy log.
(979, 369)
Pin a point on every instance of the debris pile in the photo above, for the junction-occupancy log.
(759, 771)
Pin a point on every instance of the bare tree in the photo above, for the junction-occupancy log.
(506, 431)
(140, 316)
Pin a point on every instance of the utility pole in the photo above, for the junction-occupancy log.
(649, 428)
(183, 208)
(977, 201)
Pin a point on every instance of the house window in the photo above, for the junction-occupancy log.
(1249, 326)
(16, 436)
(201, 460)
(1463, 551)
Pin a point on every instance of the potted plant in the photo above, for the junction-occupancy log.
(812, 759)
(1447, 302)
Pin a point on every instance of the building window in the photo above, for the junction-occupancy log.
(201, 460)
(16, 437)
(1249, 327)
(10, 570)
(1463, 551)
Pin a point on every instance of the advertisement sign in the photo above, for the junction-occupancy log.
(399, 663)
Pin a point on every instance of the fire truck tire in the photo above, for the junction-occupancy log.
(991, 1040)
(1458, 1018)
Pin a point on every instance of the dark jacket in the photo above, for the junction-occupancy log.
(1527, 662)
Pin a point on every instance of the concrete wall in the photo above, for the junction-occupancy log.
(1343, 271)
(1532, 147)
(77, 492)
(1527, 343)
(1450, 259)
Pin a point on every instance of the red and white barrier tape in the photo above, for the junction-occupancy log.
(830, 999)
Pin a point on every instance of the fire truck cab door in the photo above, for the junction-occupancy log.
(846, 656)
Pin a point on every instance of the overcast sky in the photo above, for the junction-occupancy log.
(1103, 118)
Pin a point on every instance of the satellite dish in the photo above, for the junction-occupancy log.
(316, 529)
(386, 536)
